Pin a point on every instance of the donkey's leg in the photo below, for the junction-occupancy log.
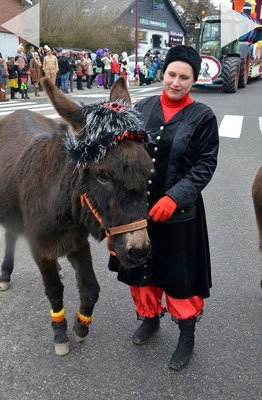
(8, 262)
(54, 291)
(88, 289)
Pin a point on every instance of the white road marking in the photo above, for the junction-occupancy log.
(14, 104)
(53, 116)
(260, 123)
(231, 126)
(31, 108)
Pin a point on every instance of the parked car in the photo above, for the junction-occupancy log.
(162, 50)
(132, 61)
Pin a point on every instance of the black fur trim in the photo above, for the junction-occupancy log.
(105, 125)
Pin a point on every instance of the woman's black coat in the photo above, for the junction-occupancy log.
(184, 153)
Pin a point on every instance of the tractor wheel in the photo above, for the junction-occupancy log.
(231, 69)
(243, 72)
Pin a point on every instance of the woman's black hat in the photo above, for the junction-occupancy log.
(186, 54)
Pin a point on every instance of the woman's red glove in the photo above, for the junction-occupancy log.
(163, 209)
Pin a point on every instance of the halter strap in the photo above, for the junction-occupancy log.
(115, 230)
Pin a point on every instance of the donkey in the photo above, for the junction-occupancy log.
(257, 200)
(61, 182)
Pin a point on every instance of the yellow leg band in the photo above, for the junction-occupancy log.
(85, 320)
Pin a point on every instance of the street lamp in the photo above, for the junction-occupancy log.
(136, 31)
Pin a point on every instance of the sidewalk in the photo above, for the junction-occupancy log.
(94, 89)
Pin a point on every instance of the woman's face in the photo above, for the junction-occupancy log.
(178, 79)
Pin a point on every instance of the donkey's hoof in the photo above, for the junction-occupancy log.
(78, 338)
(4, 286)
(62, 349)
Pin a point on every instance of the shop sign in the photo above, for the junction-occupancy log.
(152, 22)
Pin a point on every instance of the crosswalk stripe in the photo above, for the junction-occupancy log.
(32, 108)
(231, 126)
(53, 116)
(14, 104)
(260, 123)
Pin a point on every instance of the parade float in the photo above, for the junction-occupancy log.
(236, 62)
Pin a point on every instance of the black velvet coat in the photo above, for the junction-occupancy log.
(184, 153)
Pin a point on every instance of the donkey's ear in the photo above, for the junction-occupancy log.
(120, 91)
(65, 107)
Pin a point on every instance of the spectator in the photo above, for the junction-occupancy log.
(158, 66)
(89, 70)
(79, 71)
(35, 69)
(64, 70)
(50, 65)
(13, 77)
(144, 77)
(22, 76)
(124, 67)
(107, 60)
(99, 67)
(147, 61)
(3, 81)
(72, 65)
(115, 67)
(29, 54)
(21, 53)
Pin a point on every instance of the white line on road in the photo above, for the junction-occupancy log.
(32, 108)
(231, 126)
(91, 95)
(53, 116)
(260, 123)
(14, 104)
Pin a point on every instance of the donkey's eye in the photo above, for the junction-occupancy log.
(102, 178)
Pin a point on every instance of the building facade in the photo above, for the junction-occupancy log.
(8, 41)
(158, 24)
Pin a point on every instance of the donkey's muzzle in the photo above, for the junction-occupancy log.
(136, 256)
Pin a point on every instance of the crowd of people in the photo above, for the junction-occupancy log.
(62, 66)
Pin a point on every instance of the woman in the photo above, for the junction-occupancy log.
(36, 73)
(79, 71)
(89, 70)
(13, 77)
(107, 60)
(115, 67)
(184, 151)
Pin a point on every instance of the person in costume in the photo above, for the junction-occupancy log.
(184, 151)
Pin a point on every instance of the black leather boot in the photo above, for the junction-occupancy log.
(185, 345)
(146, 330)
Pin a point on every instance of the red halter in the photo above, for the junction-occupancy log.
(116, 230)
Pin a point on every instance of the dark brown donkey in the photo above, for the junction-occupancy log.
(52, 175)
(257, 200)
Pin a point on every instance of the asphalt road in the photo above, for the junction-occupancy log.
(227, 361)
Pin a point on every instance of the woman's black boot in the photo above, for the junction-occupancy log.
(146, 330)
(185, 345)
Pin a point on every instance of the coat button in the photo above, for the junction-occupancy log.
(158, 137)
(154, 160)
(182, 211)
(152, 171)
(147, 204)
(148, 193)
(149, 182)
(161, 128)
(155, 148)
